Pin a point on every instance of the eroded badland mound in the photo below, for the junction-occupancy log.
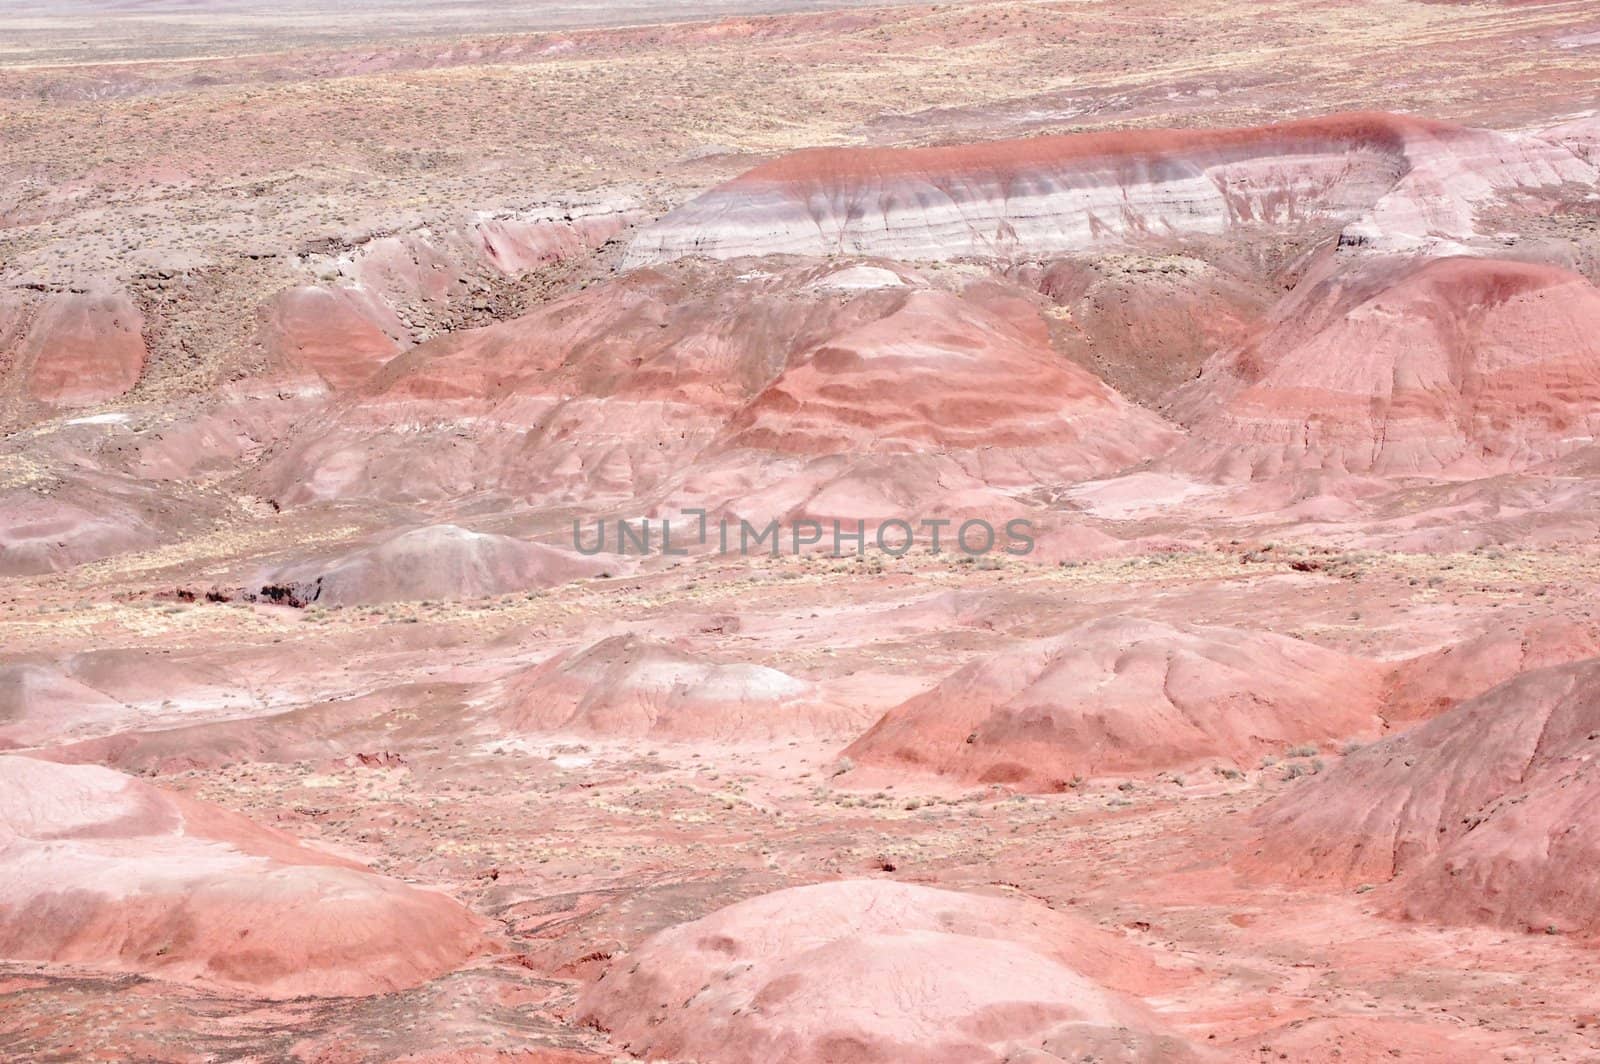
(1485, 814)
(434, 562)
(704, 381)
(626, 686)
(1399, 182)
(102, 870)
(1133, 493)
(866, 970)
(1124, 695)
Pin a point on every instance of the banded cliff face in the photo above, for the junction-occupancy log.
(1399, 182)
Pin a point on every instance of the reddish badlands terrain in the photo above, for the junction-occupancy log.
(994, 532)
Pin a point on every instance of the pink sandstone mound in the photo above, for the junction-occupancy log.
(70, 348)
(1489, 813)
(1528, 867)
(433, 562)
(628, 686)
(101, 870)
(948, 404)
(698, 336)
(1459, 366)
(47, 700)
(879, 972)
(1397, 181)
(360, 731)
(1124, 695)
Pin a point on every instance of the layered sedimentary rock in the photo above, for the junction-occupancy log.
(1528, 866)
(1146, 322)
(597, 394)
(41, 702)
(1458, 366)
(1488, 812)
(797, 390)
(343, 732)
(628, 686)
(102, 870)
(938, 372)
(1397, 181)
(1124, 695)
(80, 488)
(948, 404)
(376, 297)
(423, 265)
(343, 335)
(878, 972)
(67, 349)
(44, 701)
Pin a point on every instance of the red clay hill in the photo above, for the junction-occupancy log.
(1124, 695)
(102, 870)
(1489, 813)
(1457, 366)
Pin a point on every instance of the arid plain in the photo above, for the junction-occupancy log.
(1275, 325)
